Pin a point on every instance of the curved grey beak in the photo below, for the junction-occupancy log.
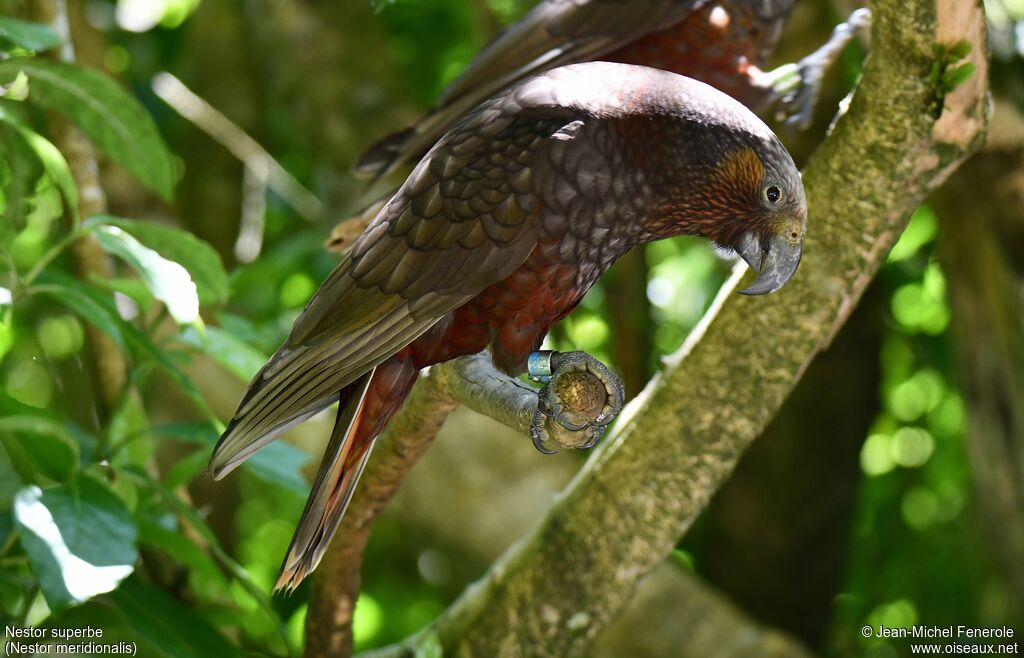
(776, 260)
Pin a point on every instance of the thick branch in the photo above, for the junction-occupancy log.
(553, 592)
(478, 385)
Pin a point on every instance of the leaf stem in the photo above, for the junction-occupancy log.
(52, 253)
(9, 543)
(13, 561)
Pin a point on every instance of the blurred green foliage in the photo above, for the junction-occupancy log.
(915, 556)
(184, 581)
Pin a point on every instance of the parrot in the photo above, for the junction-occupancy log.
(720, 43)
(496, 234)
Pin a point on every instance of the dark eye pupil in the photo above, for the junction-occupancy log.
(773, 194)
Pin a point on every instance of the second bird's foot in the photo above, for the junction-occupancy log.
(798, 86)
(581, 397)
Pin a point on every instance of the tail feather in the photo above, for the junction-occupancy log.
(342, 464)
(410, 144)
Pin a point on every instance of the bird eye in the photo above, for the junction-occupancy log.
(773, 194)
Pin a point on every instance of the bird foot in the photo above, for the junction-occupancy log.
(580, 398)
(796, 87)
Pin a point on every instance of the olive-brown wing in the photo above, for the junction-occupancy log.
(465, 218)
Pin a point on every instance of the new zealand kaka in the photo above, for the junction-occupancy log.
(497, 234)
(721, 43)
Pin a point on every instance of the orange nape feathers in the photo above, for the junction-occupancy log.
(742, 169)
(722, 202)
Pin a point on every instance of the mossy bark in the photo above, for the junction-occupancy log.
(777, 535)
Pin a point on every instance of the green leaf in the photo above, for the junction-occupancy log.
(49, 156)
(15, 90)
(954, 77)
(10, 480)
(198, 257)
(158, 626)
(162, 622)
(128, 334)
(29, 35)
(186, 469)
(96, 306)
(126, 429)
(130, 287)
(42, 443)
(6, 526)
(25, 170)
(103, 317)
(178, 546)
(140, 342)
(79, 538)
(167, 280)
(278, 464)
(237, 357)
(114, 120)
(960, 50)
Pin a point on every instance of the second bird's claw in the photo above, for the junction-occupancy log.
(797, 101)
(551, 406)
(798, 107)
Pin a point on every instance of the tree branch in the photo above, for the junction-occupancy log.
(261, 171)
(683, 617)
(554, 591)
(256, 158)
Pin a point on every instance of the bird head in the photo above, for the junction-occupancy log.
(767, 212)
(744, 193)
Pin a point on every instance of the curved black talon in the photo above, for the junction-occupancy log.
(538, 434)
(597, 436)
(556, 411)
